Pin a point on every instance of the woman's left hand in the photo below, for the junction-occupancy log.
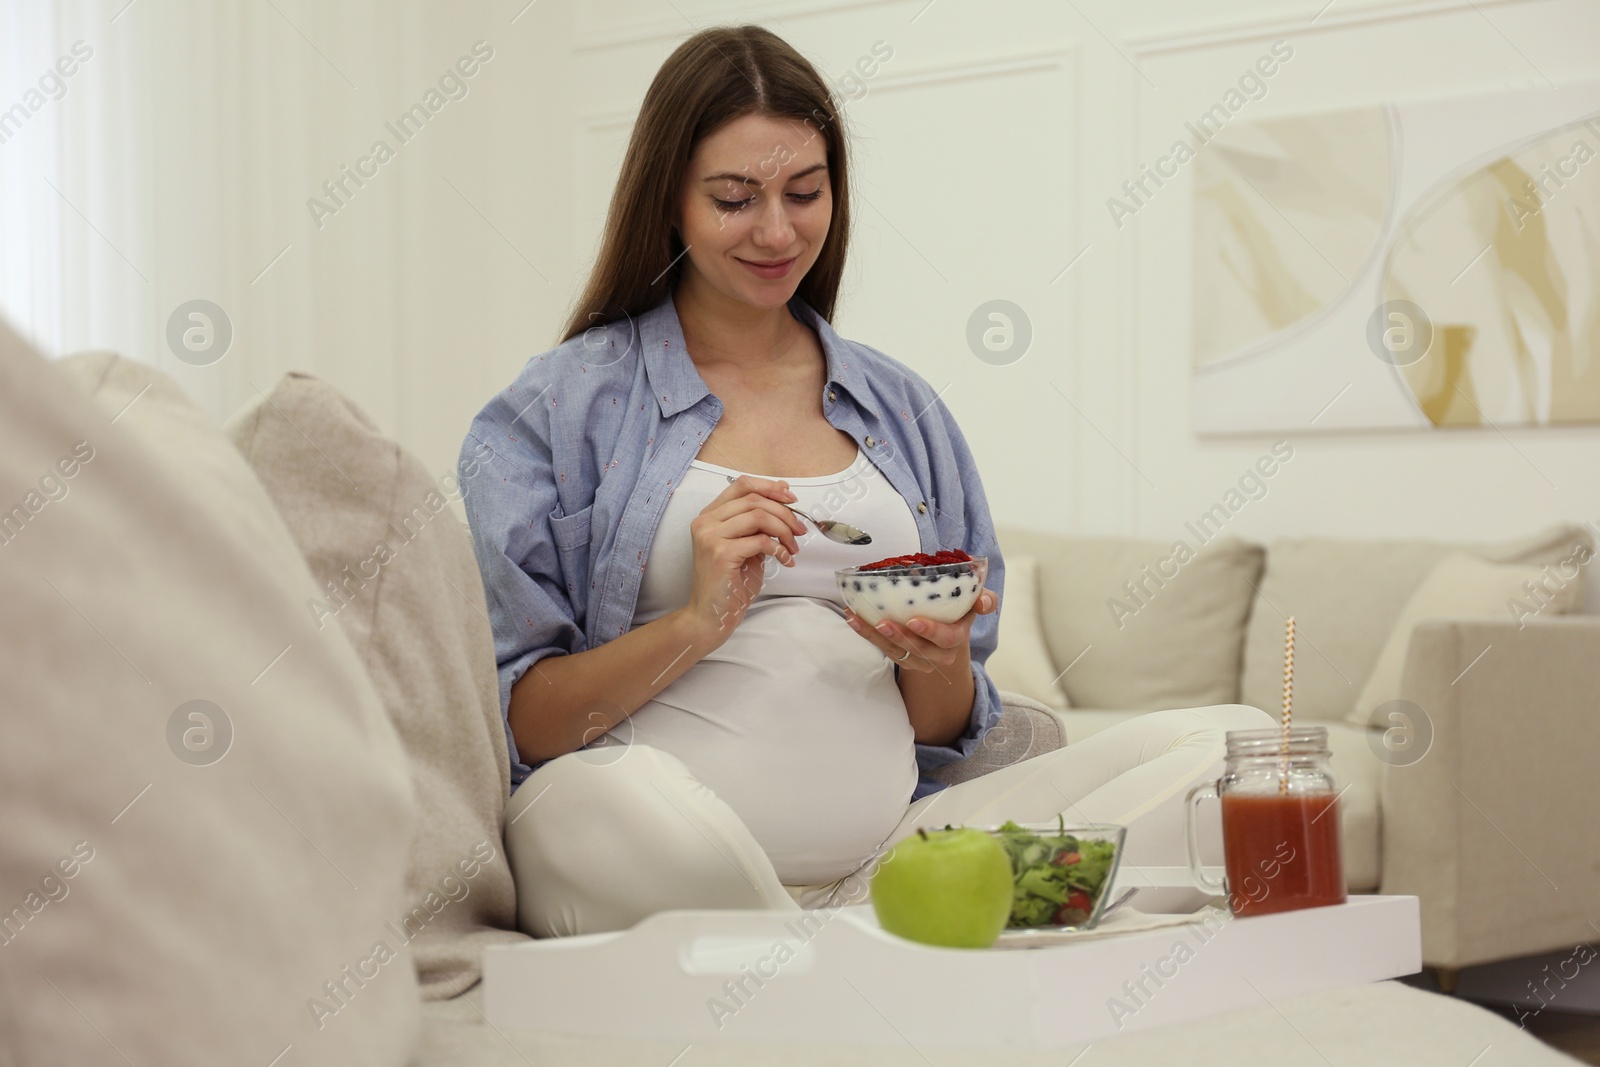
(925, 644)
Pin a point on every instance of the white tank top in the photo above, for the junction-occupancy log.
(796, 721)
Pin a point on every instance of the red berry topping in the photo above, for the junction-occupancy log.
(919, 559)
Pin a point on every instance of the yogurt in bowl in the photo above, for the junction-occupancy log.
(942, 587)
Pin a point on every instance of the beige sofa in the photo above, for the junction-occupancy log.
(255, 771)
(1480, 801)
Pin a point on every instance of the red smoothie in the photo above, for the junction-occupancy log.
(1282, 851)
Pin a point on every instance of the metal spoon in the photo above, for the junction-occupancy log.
(1122, 899)
(841, 532)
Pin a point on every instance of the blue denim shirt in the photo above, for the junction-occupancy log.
(567, 472)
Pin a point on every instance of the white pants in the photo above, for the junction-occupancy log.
(601, 839)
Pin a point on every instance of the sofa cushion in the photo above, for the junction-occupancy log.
(1462, 585)
(205, 808)
(1155, 627)
(1355, 767)
(1021, 660)
(399, 579)
(1345, 596)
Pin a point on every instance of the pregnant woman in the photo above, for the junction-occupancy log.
(695, 720)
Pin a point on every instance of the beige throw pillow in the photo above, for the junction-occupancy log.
(1345, 595)
(1138, 624)
(1021, 660)
(399, 578)
(1462, 585)
(205, 809)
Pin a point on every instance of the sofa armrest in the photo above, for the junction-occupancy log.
(1026, 729)
(1495, 827)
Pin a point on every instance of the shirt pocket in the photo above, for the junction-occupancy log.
(571, 536)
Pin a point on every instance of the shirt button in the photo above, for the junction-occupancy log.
(870, 441)
(922, 506)
(831, 397)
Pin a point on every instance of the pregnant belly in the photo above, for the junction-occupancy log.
(798, 725)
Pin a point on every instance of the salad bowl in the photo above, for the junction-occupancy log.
(1062, 873)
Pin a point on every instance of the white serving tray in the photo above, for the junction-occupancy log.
(703, 976)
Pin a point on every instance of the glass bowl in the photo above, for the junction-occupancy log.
(943, 592)
(1063, 873)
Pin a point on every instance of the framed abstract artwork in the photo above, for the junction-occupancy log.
(1413, 265)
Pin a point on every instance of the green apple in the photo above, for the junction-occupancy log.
(950, 888)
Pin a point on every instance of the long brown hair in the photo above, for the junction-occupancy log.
(712, 78)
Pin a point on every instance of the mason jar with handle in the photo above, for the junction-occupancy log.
(1280, 822)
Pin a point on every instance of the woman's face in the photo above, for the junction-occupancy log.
(755, 209)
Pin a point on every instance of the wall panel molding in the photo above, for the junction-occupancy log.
(1064, 58)
(1061, 58)
(1338, 16)
(1053, 92)
(590, 35)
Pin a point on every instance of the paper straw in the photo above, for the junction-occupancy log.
(1288, 705)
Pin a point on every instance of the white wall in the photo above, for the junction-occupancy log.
(1446, 484)
(1041, 115)
(985, 150)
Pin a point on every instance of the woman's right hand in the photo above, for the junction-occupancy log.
(732, 538)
